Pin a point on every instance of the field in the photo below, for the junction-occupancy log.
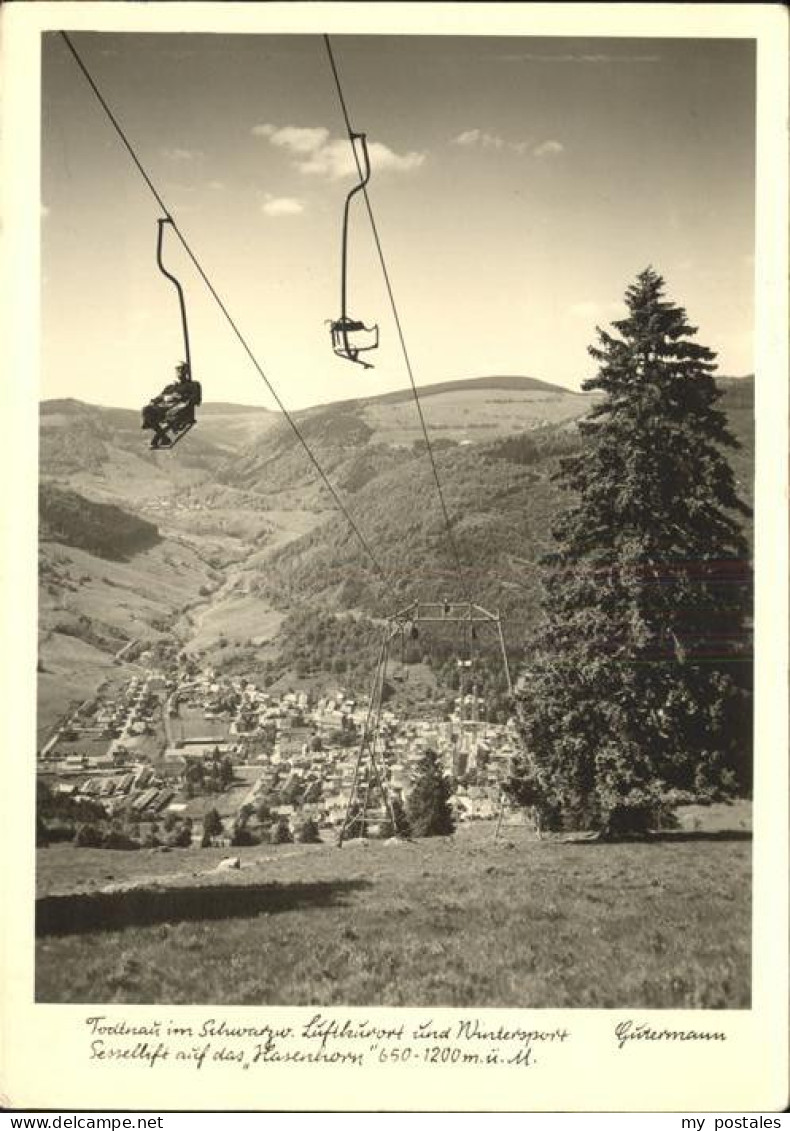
(461, 921)
(473, 414)
(226, 803)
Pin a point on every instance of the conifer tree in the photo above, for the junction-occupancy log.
(637, 685)
(428, 807)
(212, 823)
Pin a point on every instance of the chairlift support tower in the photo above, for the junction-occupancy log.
(370, 767)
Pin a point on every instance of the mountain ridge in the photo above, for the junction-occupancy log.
(506, 382)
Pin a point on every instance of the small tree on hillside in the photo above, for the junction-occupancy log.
(212, 823)
(88, 836)
(308, 832)
(281, 832)
(428, 806)
(638, 679)
(226, 770)
(241, 835)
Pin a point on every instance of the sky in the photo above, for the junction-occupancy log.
(519, 185)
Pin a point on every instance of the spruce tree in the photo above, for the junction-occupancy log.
(637, 686)
(428, 808)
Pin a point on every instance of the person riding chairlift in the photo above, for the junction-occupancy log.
(173, 410)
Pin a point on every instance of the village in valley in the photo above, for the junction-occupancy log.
(178, 756)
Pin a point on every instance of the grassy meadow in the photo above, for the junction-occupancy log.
(460, 921)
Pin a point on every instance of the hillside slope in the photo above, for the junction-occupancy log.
(102, 529)
(502, 500)
(264, 509)
(106, 579)
(104, 452)
(500, 496)
(356, 441)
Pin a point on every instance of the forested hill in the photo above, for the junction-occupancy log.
(738, 404)
(496, 440)
(502, 500)
(356, 441)
(105, 448)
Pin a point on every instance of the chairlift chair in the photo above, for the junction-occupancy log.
(350, 336)
(176, 430)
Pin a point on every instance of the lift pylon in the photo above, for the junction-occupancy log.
(370, 768)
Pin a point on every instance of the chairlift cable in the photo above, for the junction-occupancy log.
(396, 316)
(168, 214)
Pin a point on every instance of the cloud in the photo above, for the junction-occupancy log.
(548, 149)
(382, 157)
(282, 206)
(316, 154)
(297, 139)
(485, 140)
(45, 210)
(177, 154)
(468, 137)
(216, 186)
(335, 160)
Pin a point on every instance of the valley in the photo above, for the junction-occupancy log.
(191, 592)
(246, 536)
(208, 629)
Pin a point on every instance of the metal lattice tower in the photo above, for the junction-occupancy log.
(370, 769)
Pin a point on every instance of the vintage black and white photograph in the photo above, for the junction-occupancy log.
(396, 520)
